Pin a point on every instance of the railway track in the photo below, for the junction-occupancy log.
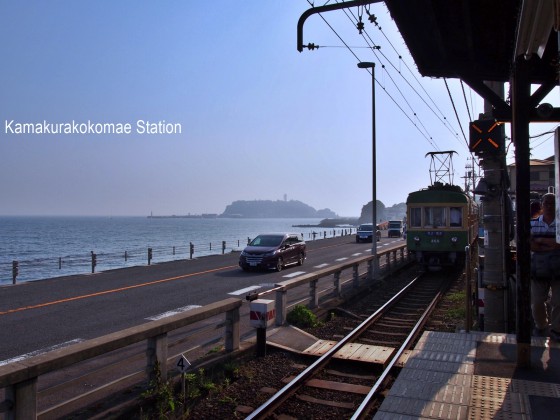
(347, 377)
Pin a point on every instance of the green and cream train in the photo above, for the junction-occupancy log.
(441, 222)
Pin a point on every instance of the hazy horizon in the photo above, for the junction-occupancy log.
(184, 107)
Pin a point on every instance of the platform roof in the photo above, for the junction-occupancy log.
(467, 39)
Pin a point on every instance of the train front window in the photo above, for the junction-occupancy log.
(415, 217)
(434, 217)
(456, 216)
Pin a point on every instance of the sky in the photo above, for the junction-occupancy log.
(249, 117)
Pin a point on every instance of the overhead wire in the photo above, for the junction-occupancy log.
(456, 113)
(551, 132)
(466, 103)
(445, 121)
(380, 85)
(375, 49)
(380, 56)
(377, 52)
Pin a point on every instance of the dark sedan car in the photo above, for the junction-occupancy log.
(365, 233)
(273, 251)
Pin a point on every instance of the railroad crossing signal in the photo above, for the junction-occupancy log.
(486, 137)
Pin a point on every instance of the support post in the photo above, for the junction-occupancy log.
(93, 262)
(23, 396)
(281, 305)
(313, 295)
(15, 271)
(232, 330)
(521, 91)
(261, 342)
(157, 352)
(337, 283)
(468, 297)
(355, 276)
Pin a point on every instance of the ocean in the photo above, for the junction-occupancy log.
(55, 246)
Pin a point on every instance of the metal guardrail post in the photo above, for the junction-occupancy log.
(281, 305)
(20, 379)
(93, 262)
(23, 396)
(191, 249)
(337, 283)
(232, 330)
(15, 271)
(223, 247)
(313, 295)
(355, 275)
(157, 352)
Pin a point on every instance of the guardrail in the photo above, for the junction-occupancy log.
(92, 261)
(392, 262)
(19, 379)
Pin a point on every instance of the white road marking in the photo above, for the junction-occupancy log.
(173, 312)
(357, 254)
(242, 291)
(294, 274)
(341, 259)
(38, 352)
(321, 265)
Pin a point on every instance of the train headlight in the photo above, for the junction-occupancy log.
(454, 239)
(416, 239)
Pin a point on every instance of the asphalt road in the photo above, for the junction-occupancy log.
(39, 316)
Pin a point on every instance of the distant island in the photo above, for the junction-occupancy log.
(274, 209)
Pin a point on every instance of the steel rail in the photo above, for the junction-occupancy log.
(361, 411)
(289, 389)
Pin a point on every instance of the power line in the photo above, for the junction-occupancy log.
(456, 114)
(365, 34)
(428, 138)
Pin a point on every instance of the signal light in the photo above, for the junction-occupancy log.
(486, 137)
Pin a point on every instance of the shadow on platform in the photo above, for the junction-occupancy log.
(499, 360)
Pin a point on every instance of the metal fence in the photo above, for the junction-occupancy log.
(21, 380)
(97, 260)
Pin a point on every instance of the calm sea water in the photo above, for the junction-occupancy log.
(55, 246)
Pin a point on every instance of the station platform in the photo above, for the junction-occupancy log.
(463, 376)
(474, 376)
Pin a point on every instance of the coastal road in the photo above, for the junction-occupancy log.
(42, 315)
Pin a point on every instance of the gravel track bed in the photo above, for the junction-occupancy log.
(257, 379)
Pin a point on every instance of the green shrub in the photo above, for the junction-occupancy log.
(302, 317)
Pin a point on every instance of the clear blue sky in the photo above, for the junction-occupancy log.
(258, 118)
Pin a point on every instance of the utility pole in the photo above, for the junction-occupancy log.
(488, 142)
